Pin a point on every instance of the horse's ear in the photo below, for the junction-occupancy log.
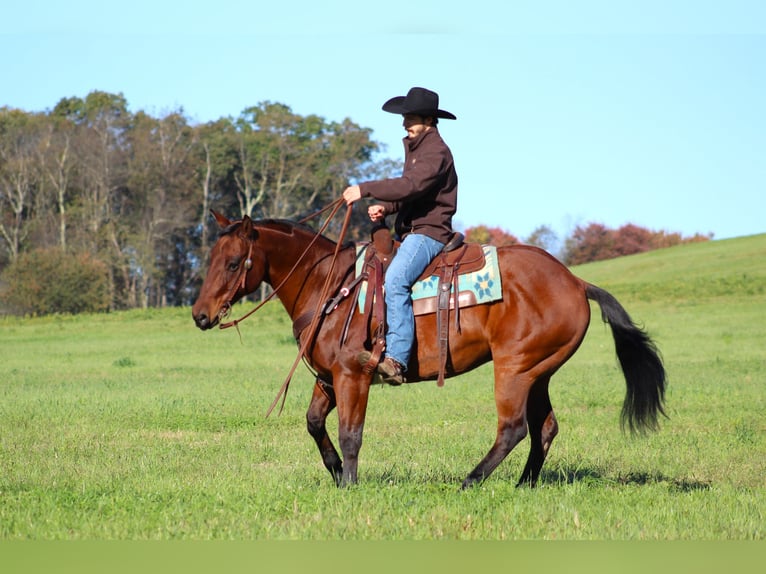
(247, 229)
(223, 222)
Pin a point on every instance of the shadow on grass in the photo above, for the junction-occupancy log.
(553, 477)
(567, 475)
(558, 476)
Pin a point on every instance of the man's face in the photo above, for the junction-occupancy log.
(415, 125)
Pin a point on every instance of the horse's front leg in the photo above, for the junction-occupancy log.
(351, 393)
(322, 403)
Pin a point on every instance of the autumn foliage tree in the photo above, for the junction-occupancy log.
(591, 242)
(596, 242)
(490, 236)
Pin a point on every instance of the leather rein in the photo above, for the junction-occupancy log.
(310, 332)
(244, 269)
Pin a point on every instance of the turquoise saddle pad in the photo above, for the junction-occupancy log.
(484, 284)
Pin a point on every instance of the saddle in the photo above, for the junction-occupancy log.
(455, 259)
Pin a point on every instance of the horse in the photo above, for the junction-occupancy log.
(529, 334)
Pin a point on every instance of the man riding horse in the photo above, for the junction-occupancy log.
(424, 198)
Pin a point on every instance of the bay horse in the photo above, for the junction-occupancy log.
(529, 334)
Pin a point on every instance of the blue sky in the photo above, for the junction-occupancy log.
(648, 112)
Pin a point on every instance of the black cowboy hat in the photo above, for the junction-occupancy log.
(418, 101)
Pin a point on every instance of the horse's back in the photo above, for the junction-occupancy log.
(528, 271)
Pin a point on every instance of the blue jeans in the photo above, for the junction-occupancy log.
(413, 256)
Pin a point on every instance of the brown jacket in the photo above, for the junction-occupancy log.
(425, 196)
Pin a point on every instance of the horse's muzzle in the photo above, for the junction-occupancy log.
(204, 322)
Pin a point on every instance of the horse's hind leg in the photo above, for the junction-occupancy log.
(542, 430)
(322, 403)
(510, 399)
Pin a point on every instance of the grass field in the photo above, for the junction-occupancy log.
(136, 425)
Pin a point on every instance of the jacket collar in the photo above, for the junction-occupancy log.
(412, 144)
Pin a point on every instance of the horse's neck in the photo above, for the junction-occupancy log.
(298, 268)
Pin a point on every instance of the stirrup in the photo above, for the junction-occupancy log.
(391, 372)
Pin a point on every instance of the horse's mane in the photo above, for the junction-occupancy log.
(284, 226)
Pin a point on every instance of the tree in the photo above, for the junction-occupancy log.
(348, 157)
(277, 153)
(45, 281)
(160, 191)
(57, 165)
(19, 177)
(544, 237)
(216, 175)
(490, 235)
(591, 243)
(630, 239)
(101, 121)
(596, 242)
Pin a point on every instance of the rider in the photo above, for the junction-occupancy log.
(424, 199)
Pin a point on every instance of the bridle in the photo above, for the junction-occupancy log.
(236, 286)
(248, 265)
(310, 331)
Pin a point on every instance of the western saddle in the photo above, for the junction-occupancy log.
(456, 258)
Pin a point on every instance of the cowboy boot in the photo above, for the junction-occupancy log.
(390, 371)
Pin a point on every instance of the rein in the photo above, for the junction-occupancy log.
(335, 206)
(310, 332)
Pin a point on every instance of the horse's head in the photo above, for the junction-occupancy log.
(237, 267)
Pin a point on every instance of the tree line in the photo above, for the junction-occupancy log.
(129, 194)
(105, 209)
(588, 243)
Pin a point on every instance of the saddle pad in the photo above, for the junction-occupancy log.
(484, 283)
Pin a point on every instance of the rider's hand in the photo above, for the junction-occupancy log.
(352, 194)
(376, 212)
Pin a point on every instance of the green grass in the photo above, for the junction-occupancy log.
(136, 425)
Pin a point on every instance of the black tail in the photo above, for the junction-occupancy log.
(640, 361)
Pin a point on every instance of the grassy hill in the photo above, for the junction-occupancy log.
(135, 425)
(729, 268)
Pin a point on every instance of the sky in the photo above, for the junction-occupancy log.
(651, 112)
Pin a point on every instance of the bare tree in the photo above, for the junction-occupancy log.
(19, 138)
(57, 163)
(160, 190)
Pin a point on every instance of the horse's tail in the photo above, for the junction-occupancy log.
(640, 361)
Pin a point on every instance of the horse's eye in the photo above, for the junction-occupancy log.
(234, 265)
